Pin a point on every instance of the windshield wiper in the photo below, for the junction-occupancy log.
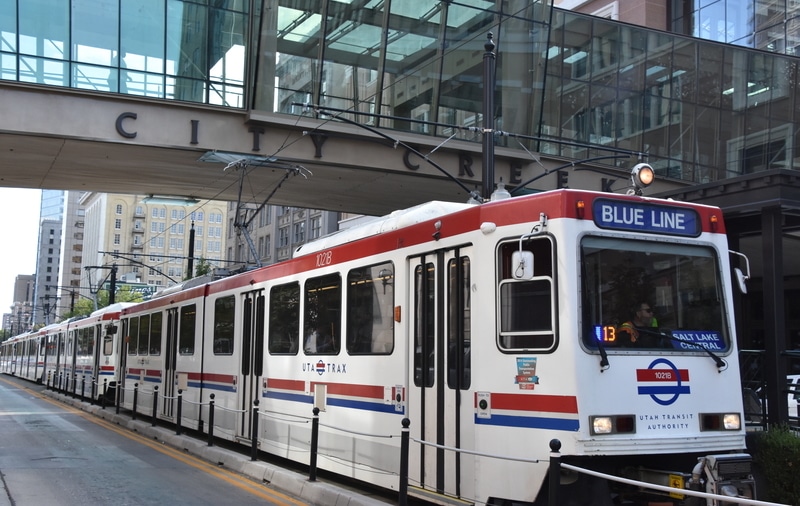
(721, 364)
(603, 356)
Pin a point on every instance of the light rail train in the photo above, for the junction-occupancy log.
(493, 328)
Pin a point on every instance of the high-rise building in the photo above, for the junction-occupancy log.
(69, 283)
(19, 318)
(48, 262)
(274, 232)
(146, 239)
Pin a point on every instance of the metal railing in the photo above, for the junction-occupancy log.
(555, 465)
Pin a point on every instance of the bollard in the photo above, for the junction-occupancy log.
(211, 421)
(180, 412)
(74, 385)
(49, 374)
(155, 406)
(83, 388)
(254, 433)
(135, 400)
(312, 466)
(554, 471)
(92, 390)
(404, 448)
(103, 394)
(117, 395)
(58, 389)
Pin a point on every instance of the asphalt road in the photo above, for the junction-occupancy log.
(54, 454)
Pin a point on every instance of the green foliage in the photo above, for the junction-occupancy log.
(203, 267)
(776, 454)
(85, 307)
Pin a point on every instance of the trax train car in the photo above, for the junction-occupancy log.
(375, 324)
(80, 352)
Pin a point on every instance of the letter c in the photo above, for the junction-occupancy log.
(122, 131)
(407, 161)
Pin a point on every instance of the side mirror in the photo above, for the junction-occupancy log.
(741, 276)
(522, 264)
(741, 279)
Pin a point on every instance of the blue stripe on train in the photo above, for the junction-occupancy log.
(334, 401)
(529, 422)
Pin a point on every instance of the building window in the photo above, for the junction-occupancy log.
(316, 227)
(117, 239)
(283, 237)
(119, 209)
(299, 232)
(117, 224)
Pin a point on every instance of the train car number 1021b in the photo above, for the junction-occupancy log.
(324, 258)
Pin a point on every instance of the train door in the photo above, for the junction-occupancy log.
(170, 362)
(440, 403)
(252, 357)
(120, 369)
(97, 351)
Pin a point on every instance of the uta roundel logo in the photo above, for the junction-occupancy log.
(663, 381)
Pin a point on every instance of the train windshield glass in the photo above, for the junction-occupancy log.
(651, 295)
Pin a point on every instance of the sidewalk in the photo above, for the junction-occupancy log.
(290, 482)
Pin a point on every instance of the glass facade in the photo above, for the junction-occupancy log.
(771, 25)
(567, 84)
(164, 49)
(417, 64)
(702, 111)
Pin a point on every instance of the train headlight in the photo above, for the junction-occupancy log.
(731, 421)
(616, 424)
(602, 425)
(642, 176)
(720, 421)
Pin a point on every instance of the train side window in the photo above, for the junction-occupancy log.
(156, 331)
(526, 306)
(284, 319)
(424, 329)
(459, 315)
(144, 334)
(370, 310)
(108, 344)
(85, 340)
(186, 332)
(133, 335)
(323, 315)
(224, 314)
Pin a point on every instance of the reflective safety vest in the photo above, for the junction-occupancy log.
(629, 328)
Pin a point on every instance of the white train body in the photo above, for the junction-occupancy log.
(71, 355)
(492, 328)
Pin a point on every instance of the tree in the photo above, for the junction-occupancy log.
(203, 267)
(85, 307)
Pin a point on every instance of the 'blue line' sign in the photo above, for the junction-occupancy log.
(644, 217)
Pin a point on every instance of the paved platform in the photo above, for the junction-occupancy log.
(318, 493)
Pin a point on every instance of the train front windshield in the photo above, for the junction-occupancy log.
(649, 295)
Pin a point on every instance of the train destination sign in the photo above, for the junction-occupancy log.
(645, 217)
(693, 339)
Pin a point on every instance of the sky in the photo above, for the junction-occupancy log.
(20, 231)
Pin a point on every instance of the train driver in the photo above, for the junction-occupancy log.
(639, 331)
